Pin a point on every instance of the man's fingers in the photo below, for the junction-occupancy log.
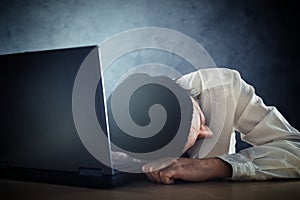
(167, 175)
(155, 175)
(145, 169)
(151, 173)
(157, 170)
(150, 177)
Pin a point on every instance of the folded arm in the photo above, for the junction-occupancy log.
(276, 144)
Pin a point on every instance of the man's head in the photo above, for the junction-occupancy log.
(146, 114)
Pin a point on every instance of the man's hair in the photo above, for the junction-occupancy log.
(140, 102)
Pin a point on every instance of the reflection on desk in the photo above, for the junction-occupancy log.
(142, 189)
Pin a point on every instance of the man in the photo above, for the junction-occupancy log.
(276, 144)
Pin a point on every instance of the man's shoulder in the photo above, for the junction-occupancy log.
(212, 71)
(212, 77)
(218, 71)
(208, 78)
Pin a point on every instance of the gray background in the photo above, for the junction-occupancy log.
(258, 38)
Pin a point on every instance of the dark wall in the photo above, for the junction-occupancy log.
(258, 38)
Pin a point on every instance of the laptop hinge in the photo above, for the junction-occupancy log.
(90, 172)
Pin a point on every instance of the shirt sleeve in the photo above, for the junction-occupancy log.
(276, 144)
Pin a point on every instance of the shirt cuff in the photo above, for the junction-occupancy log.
(242, 168)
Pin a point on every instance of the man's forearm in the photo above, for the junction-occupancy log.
(220, 168)
(189, 169)
(209, 169)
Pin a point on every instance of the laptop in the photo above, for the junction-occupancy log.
(39, 140)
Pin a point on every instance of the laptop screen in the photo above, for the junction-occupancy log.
(37, 127)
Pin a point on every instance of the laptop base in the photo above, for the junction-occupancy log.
(65, 178)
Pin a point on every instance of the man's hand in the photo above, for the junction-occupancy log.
(165, 171)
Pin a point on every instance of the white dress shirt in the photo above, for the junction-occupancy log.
(229, 104)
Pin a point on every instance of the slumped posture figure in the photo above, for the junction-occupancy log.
(276, 144)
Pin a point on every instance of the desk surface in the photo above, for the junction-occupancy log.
(141, 189)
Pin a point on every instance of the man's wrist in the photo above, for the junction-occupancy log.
(216, 168)
(222, 168)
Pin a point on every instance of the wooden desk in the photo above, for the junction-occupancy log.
(141, 189)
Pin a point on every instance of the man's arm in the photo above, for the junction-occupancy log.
(188, 169)
(276, 151)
